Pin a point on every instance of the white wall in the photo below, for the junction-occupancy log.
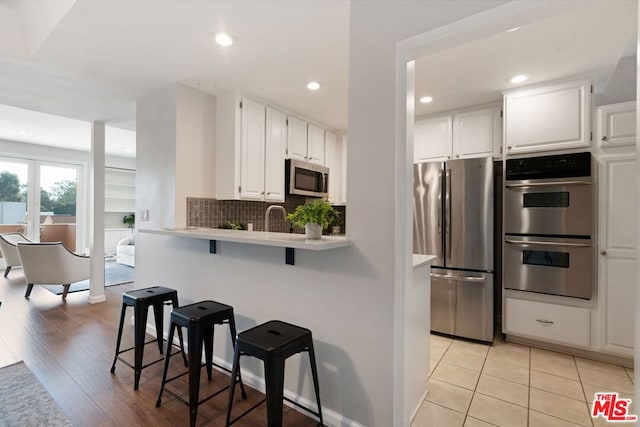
(195, 148)
(156, 158)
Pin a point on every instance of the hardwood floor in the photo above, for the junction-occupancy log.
(70, 346)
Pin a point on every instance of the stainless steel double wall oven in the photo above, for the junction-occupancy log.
(548, 224)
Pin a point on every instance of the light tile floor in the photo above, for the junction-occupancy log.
(513, 385)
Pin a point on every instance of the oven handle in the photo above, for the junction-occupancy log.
(536, 242)
(460, 278)
(548, 184)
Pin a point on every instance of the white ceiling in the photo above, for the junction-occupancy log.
(92, 59)
(588, 38)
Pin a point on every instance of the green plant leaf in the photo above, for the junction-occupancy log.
(317, 212)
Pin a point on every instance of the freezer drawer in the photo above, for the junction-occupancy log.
(462, 304)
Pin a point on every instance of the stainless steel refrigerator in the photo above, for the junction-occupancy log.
(453, 220)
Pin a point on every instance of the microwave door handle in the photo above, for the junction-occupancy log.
(547, 184)
(324, 183)
(536, 242)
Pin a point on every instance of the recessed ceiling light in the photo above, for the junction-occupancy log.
(313, 85)
(426, 99)
(224, 39)
(518, 78)
(511, 30)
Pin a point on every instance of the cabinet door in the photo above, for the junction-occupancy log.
(252, 150)
(617, 265)
(275, 147)
(617, 125)
(548, 118)
(315, 145)
(432, 139)
(333, 157)
(476, 134)
(297, 139)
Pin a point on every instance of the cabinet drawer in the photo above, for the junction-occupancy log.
(547, 322)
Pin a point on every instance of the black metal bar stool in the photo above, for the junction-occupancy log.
(199, 319)
(141, 300)
(273, 342)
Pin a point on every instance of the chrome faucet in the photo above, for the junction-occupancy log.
(266, 215)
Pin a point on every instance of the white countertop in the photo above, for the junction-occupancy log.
(419, 260)
(284, 240)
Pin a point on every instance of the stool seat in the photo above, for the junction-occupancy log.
(141, 300)
(273, 342)
(199, 318)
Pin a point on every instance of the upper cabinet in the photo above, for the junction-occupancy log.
(616, 125)
(315, 145)
(250, 150)
(297, 139)
(551, 117)
(461, 135)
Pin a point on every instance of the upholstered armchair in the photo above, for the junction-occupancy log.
(126, 252)
(9, 250)
(51, 264)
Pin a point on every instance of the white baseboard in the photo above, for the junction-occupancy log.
(330, 418)
(415, 411)
(97, 299)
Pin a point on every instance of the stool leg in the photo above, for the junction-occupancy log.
(122, 316)
(208, 348)
(140, 319)
(314, 373)
(232, 330)
(235, 370)
(195, 365)
(158, 314)
(274, 381)
(174, 301)
(172, 327)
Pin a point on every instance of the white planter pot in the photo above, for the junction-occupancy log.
(313, 231)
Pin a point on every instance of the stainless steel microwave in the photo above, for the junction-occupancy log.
(306, 179)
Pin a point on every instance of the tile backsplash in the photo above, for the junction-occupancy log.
(212, 213)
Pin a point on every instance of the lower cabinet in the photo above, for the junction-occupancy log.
(554, 323)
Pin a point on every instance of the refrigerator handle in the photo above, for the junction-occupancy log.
(440, 202)
(447, 219)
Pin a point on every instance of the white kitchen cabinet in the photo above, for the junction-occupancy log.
(550, 117)
(555, 323)
(249, 150)
(477, 133)
(459, 135)
(333, 160)
(252, 141)
(616, 125)
(119, 190)
(275, 152)
(432, 139)
(617, 266)
(297, 139)
(315, 145)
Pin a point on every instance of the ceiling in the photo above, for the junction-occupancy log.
(92, 59)
(587, 39)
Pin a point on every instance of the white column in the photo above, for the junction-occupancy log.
(96, 239)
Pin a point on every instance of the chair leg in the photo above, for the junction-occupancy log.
(29, 289)
(6, 272)
(234, 373)
(274, 385)
(232, 330)
(208, 348)
(174, 300)
(65, 291)
(158, 314)
(172, 327)
(140, 329)
(314, 373)
(195, 362)
(122, 316)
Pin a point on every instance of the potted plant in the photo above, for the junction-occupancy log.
(313, 217)
(129, 220)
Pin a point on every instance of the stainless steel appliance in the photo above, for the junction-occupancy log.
(548, 208)
(306, 179)
(453, 220)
